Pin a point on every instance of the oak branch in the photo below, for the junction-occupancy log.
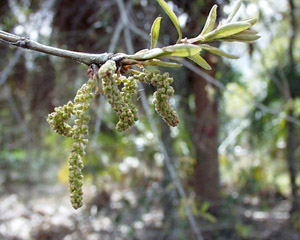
(85, 58)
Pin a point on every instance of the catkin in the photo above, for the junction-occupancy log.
(161, 95)
(114, 97)
(79, 135)
(58, 122)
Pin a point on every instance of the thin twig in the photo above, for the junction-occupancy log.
(12, 62)
(115, 38)
(85, 58)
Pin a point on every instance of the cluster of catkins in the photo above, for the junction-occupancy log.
(121, 102)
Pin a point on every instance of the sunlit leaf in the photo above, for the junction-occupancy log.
(227, 30)
(235, 10)
(183, 50)
(211, 21)
(200, 61)
(155, 32)
(149, 54)
(218, 51)
(172, 16)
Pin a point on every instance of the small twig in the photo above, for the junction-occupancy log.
(115, 38)
(12, 62)
(85, 58)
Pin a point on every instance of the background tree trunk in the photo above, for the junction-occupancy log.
(291, 144)
(292, 164)
(206, 175)
(204, 131)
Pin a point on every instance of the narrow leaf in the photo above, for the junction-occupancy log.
(218, 51)
(200, 61)
(149, 54)
(211, 21)
(248, 38)
(183, 50)
(248, 31)
(172, 16)
(155, 32)
(157, 62)
(235, 10)
(227, 30)
(252, 21)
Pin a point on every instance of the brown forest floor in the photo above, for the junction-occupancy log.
(44, 213)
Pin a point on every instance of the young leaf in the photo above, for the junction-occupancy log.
(157, 62)
(211, 21)
(183, 50)
(218, 51)
(248, 31)
(252, 21)
(243, 37)
(227, 30)
(235, 10)
(149, 54)
(155, 32)
(200, 61)
(172, 16)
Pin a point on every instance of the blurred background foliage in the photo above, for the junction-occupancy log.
(236, 150)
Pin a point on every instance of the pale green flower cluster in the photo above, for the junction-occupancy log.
(79, 134)
(120, 102)
(58, 122)
(162, 95)
(58, 119)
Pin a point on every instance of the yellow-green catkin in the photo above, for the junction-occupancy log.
(58, 122)
(79, 135)
(107, 73)
(161, 95)
(58, 119)
(128, 92)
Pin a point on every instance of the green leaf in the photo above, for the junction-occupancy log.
(183, 50)
(235, 10)
(211, 21)
(172, 16)
(227, 30)
(204, 207)
(248, 31)
(252, 21)
(243, 37)
(157, 62)
(218, 51)
(209, 217)
(149, 54)
(155, 32)
(200, 61)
